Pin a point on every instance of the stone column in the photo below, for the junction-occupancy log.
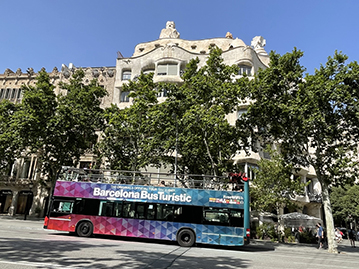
(12, 209)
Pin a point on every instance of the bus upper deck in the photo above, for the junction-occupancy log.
(230, 182)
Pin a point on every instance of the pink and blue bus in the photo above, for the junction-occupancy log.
(86, 203)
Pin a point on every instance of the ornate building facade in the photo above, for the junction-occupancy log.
(166, 58)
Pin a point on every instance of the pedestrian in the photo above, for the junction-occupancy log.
(320, 235)
(352, 237)
(338, 235)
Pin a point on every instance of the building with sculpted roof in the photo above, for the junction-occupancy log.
(166, 57)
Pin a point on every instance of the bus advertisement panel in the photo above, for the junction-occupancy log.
(150, 194)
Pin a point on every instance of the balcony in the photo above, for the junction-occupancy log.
(314, 197)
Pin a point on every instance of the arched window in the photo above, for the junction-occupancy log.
(124, 97)
(13, 94)
(19, 94)
(7, 94)
(126, 75)
(245, 69)
(167, 69)
(148, 71)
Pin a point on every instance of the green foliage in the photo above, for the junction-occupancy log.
(307, 237)
(345, 202)
(275, 186)
(206, 141)
(59, 129)
(129, 137)
(37, 109)
(315, 120)
(287, 232)
(9, 139)
(267, 231)
(311, 113)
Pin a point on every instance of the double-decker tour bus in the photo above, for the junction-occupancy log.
(148, 205)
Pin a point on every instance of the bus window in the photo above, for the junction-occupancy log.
(128, 210)
(177, 214)
(62, 206)
(91, 207)
(164, 212)
(106, 208)
(215, 216)
(140, 211)
(151, 211)
(236, 218)
(118, 209)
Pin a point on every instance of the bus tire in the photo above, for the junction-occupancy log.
(84, 229)
(186, 238)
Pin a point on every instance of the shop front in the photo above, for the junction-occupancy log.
(24, 202)
(5, 201)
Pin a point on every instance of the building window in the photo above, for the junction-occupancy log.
(124, 97)
(167, 70)
(25, 169)
(241, 112)
(245, 69)
(148, 71)
(1, 93)
(162, 93)
(13, 94)
(126, 75)
(19, 94)
(7, 94)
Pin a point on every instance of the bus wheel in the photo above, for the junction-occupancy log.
(186, 238)
(84, 229)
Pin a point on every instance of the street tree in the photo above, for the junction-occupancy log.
(127, 138)
(198, 109)
(9, 139)
(345, 203)
(276, 184)
(59, 129)
(314, 119)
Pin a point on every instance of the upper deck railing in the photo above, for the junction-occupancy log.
(150, 179)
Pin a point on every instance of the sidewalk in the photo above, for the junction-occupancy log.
(343, 248)
(21, 217)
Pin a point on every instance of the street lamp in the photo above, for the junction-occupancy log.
(176, 152)
(174, 115)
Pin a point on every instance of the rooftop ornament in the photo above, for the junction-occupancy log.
(170, 31)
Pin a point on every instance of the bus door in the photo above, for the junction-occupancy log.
(216, 222)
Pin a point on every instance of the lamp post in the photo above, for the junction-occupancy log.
(27, 207)
(176, 152)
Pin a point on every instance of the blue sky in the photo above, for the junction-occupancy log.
(48, 33)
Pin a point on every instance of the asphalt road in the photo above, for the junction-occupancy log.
(24, 244)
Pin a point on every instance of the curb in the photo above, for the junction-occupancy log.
(343, 249)
(21, 217)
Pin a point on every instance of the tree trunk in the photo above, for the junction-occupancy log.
(332, 244)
